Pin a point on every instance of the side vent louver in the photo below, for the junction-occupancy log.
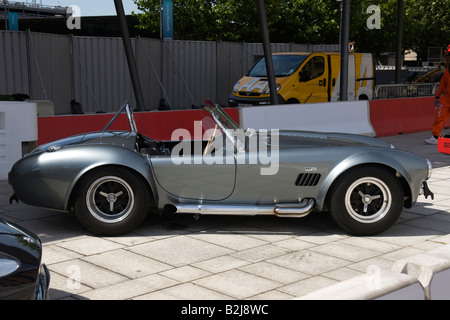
(307, 179)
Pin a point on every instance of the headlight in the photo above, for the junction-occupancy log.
(236, 87)
(267, 89)
(8, 264)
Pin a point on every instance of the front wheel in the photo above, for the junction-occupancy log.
(366, 201)
(111, 201)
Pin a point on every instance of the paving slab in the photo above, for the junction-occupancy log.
(231, 258)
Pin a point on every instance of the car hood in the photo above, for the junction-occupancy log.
(295, 139)
(286, 139)
(20, 264)
(101, 137)
(19, 243)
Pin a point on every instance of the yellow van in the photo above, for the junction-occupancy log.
(306, 78)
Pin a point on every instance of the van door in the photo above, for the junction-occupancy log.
(365, 73)
(336, 78)
(313, 78)
(351, 78)
(335, 73)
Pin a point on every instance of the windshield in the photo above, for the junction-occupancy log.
(283, 65)
(226, 125)
(130, 117)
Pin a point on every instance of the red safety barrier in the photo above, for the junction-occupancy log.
(158, 125)
(388, 117)
(397, 116)
(444, 144)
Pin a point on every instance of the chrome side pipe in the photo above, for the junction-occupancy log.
(291, 210)
(299, 210)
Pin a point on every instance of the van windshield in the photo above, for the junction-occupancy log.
(283, 65)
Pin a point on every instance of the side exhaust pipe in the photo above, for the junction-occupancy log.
(298, 210)
(295, 210)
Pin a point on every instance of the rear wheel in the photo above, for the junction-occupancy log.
(366, 201)
(292, 101)
(111, 201)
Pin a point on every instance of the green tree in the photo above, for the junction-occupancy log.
(426, 23)
(301, 21)
(373, 40)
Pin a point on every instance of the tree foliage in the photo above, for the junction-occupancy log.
(306, 21)
(425, 25)
(300, 21)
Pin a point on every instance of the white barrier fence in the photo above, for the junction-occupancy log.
(406, 90)
(18, 128)
(343, 117)
(420, 277)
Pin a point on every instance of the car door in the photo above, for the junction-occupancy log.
(292, 168)
(208, 177)
(336, 76)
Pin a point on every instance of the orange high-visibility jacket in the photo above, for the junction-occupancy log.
(443, 93)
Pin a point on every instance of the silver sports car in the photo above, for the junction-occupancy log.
(113, 179)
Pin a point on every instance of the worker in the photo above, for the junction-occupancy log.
(441, 102)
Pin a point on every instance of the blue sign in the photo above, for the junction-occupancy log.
(13, 21)
(167, 23)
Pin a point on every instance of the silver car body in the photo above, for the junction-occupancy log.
(308, 164)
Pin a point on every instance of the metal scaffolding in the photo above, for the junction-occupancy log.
(30, 9)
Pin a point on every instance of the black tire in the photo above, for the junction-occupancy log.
(292, 101)
(366, 201)
(111, 201)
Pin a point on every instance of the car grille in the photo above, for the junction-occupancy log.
(307, 179)
(249, 94)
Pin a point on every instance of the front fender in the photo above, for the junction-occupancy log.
(48, 179)
(411, 167)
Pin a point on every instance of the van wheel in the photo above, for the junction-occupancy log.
(363, 97)
(111, 201)
(292, 101)
(366, 201)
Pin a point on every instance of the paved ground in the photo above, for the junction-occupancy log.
(217, 257)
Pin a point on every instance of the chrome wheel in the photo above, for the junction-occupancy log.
(368, 200)
(110, 199)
